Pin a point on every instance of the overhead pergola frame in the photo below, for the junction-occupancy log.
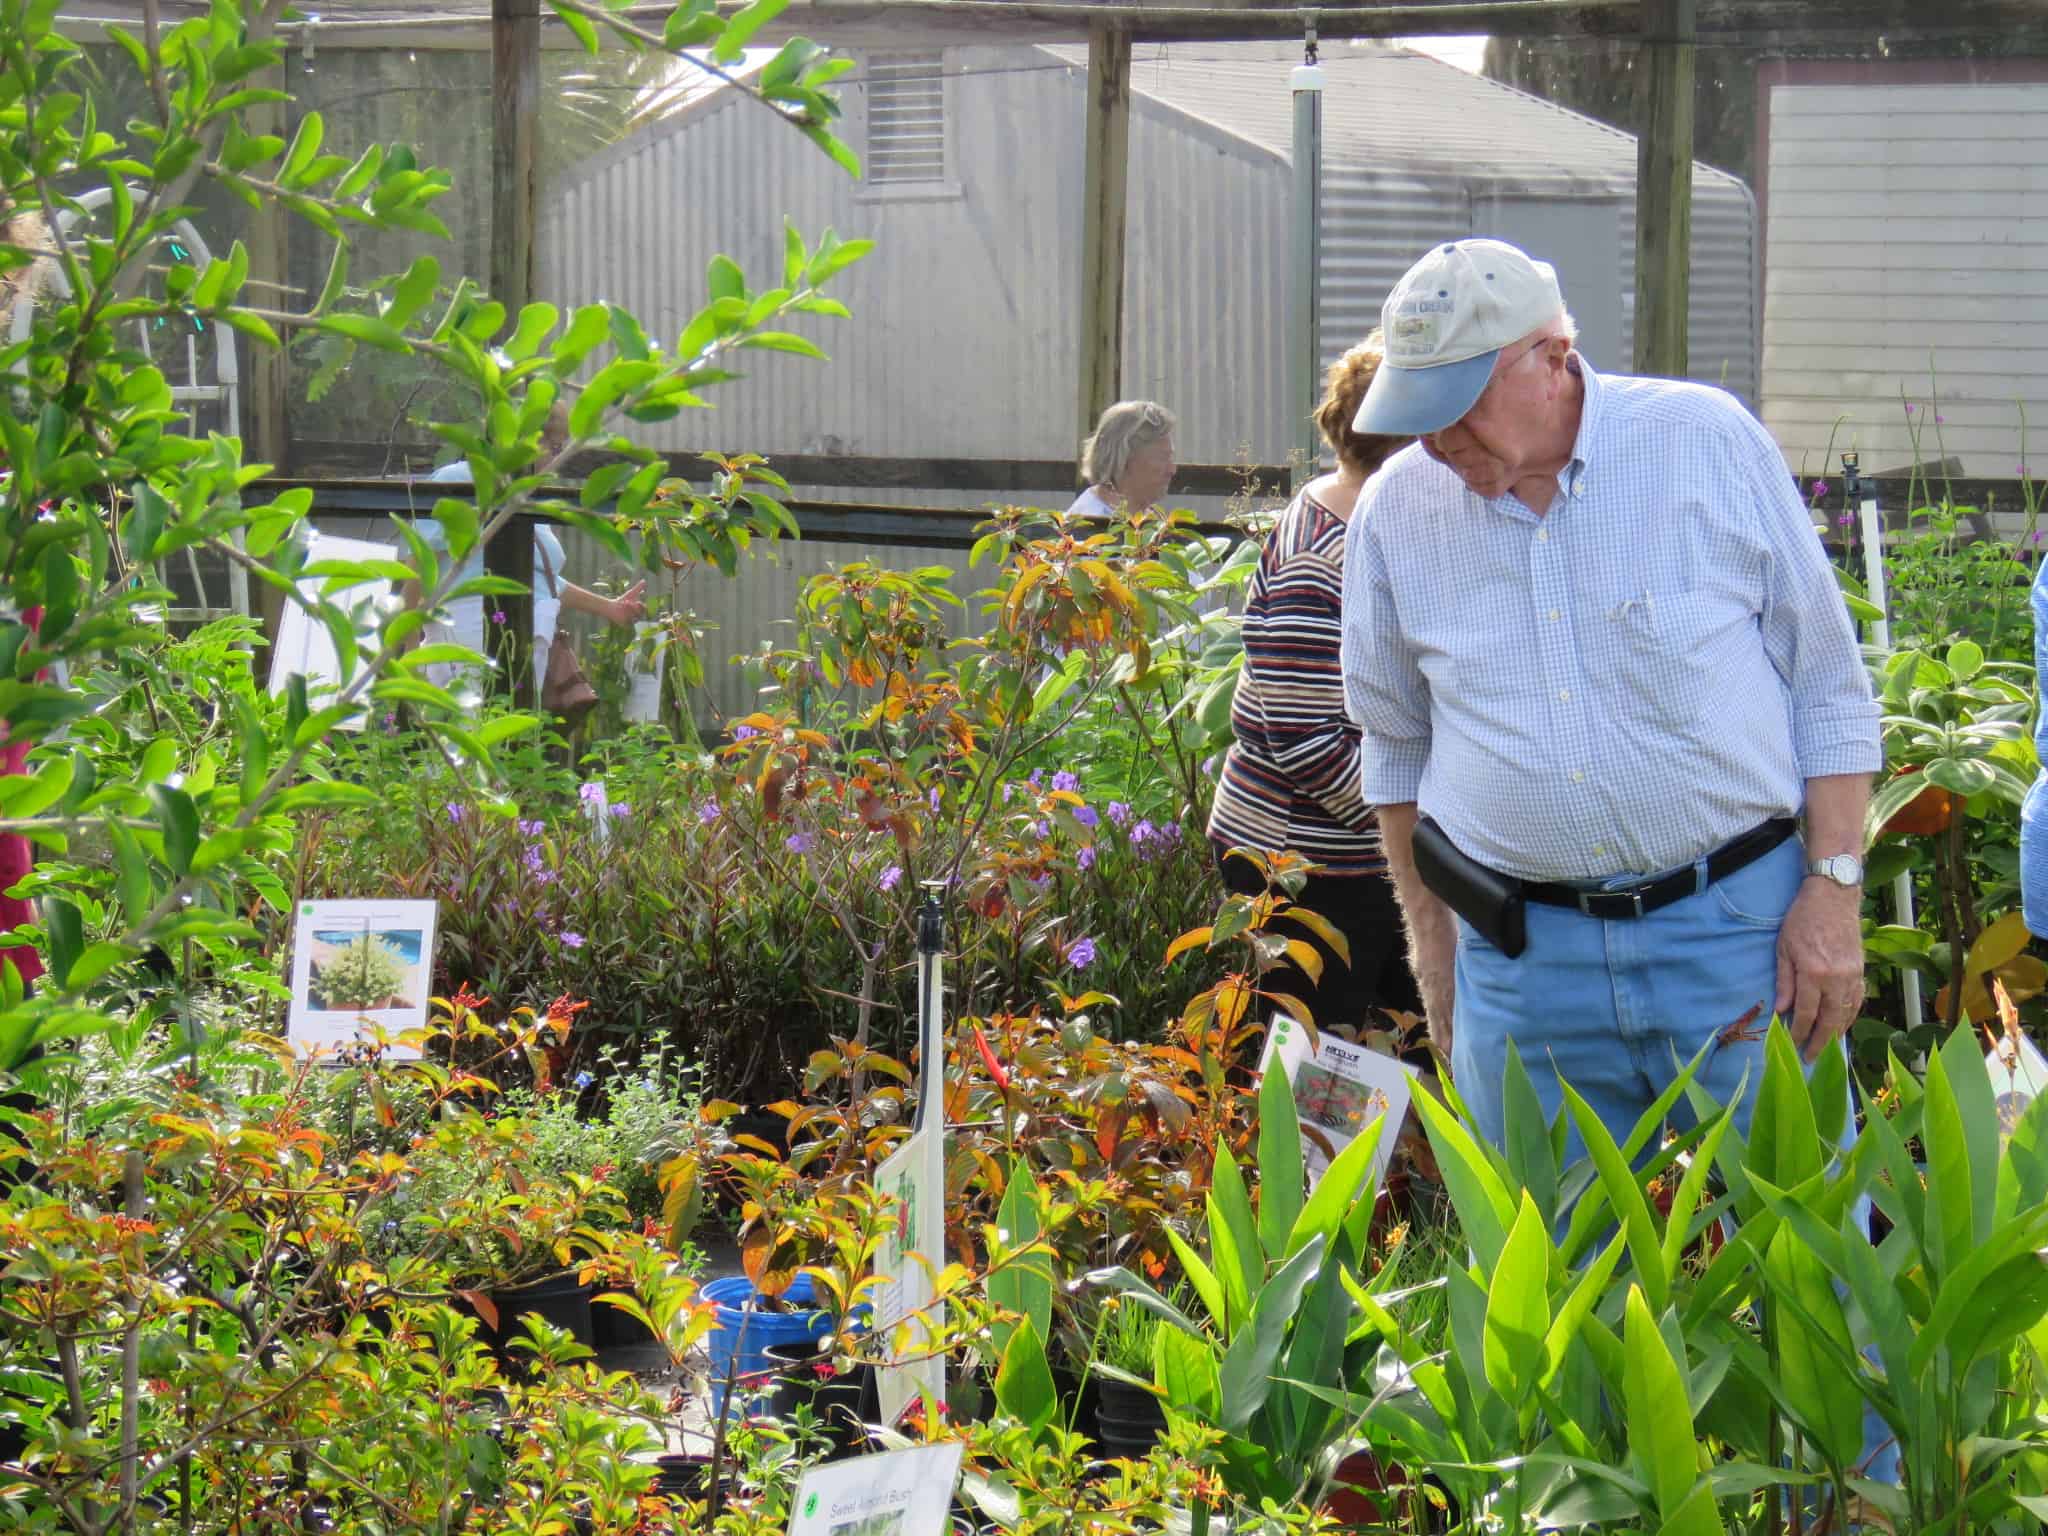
(517, 31)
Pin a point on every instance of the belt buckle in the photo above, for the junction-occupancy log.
(1634, 895)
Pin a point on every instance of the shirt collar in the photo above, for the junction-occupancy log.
(1589, 422)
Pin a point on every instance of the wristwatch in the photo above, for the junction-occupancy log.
(1842, 868)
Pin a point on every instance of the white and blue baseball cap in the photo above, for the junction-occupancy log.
(1445, 323)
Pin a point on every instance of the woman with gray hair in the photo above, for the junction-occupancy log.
(1128, 462)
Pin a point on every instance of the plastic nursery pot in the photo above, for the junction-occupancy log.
(1929, 812)
(614, 1328)
(1359, 1476)
(559, 1299)
(744, 1334)
(682, 1476)
(1128, 1419)
(844, 1402)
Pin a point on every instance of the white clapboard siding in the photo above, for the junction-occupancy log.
(1904, 265)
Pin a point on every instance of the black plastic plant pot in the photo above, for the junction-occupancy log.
(844, 1402)
(615, 1328)
(682, 1476)
(559, 1299)
(1128, 1420)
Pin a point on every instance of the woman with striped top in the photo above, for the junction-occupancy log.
(1291, 779)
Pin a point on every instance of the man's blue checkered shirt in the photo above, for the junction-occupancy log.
(1622, 685)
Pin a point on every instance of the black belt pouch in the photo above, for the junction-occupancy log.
(1490, 901)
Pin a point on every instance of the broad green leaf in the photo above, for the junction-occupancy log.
(1660, 1437)
(1024, 1385)
(1281, 1175)
(1247, 1372)
(1625, 1195)
(1184, 1369)
(1518, 1305)
(1485, 1210)
(1024, 1284)
(1346, 1182)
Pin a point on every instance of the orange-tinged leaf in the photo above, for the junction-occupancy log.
(483, 1306)
(1186, 942)
(1306, 956)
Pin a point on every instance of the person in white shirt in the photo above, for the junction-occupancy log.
(462, 621)
(1128, 461)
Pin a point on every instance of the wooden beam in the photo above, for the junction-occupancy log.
(515, 108)
(1103, 215)
(2006, 27)
(1664, 190)
(1017, 480)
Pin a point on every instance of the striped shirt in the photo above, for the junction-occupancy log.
(1291, 779)
(1622, 685)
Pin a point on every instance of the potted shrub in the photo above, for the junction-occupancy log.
(1128, 1415)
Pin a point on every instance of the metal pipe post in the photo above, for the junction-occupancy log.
(1305, 309)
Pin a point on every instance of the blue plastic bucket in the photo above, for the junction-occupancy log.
(745, 1335)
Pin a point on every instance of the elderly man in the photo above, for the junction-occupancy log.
(1603, 670)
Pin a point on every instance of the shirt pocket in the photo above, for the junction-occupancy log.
(1661, 657)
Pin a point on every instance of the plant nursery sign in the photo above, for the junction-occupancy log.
(912, 1180)
(1339, 1090)
(897, 1493)
(304, 647)
(2019, 1075)
(358, 966)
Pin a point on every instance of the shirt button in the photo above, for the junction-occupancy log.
(1553, 615)
(1598, 850)
(1578, 776)
(1565, 694)
(1542, 535)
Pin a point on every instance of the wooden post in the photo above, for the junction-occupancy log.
(1103, 216)
(515, 105)
(1664, 190)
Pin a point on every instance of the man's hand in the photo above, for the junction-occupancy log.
(1820, 964)
(1438, 987)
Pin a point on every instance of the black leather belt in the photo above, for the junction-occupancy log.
(1647, 896)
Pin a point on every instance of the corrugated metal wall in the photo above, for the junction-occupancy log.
(1905, 266)
(1723, 341)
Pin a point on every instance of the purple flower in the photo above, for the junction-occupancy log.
(1820, 489)
(619, 810)
(798, 842)
(2020, 470)
(497, 615)
(1081, 953)
(933, 797)
(709, 812)
(743, 732)
(1143, 833)
(889, 877)
(571, 939)
(2037, 536)
(532, 828)
(1939, 419)
(583, 1079)
(1066, 781)
(454, 812)
(1040, 882)
(1909, 407)
(1087, 815)
(1086, 858)
(1170, 833)
(1118, 812)
(591, 793)
(1006, 794)
(1846, 519)
(1041, 830)
(1036, 775)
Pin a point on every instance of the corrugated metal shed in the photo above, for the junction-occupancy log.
(1905, 266)
(964, 336)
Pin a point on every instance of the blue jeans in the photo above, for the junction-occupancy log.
(1615, 1008)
